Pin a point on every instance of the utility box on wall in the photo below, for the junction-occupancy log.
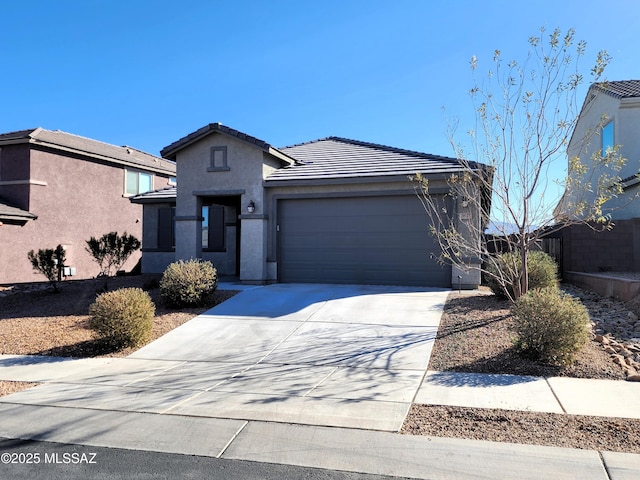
(69, 271)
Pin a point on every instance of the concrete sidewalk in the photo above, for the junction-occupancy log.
(353, 450)
(306, 375)
(574, 396)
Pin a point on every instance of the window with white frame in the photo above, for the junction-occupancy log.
(138, 182)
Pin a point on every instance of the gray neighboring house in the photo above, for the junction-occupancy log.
(328, 211)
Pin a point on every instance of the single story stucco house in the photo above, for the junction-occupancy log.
(328, 211)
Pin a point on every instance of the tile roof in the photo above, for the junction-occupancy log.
(73, 143)
(9, 213)
(620, 88)
(336, 157)
(167, 194)
(170, 151)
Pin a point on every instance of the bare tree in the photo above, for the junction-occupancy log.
(525, 114)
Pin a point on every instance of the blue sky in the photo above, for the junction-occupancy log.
(145, 73)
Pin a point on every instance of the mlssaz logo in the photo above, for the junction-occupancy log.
(70, 458)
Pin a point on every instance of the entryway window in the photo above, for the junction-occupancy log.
(213, 228)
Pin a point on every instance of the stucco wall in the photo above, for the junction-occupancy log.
(81, 198)
(245, 172)
(625, 114)
(199, 182)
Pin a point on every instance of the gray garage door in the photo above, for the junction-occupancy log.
(361, 240)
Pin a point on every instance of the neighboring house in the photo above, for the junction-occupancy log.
(609, 117)
(328, 211)
(59, 188)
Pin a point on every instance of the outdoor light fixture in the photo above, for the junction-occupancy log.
(251, 207)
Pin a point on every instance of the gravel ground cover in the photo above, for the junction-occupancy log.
(474, 336)
(35, 321)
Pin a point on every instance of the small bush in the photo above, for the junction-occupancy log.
(543, 272)
(50, 263)
(111, 251)
(551, 326)
(186, 284)
(123, 318)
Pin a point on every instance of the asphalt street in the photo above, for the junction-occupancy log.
(32, 460)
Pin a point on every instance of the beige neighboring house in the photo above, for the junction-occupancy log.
(610, 116)
(583, 250)
(59, 188)
(328, 211)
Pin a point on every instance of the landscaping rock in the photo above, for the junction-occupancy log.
(615, 327)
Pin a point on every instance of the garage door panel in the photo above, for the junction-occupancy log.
(372, 240)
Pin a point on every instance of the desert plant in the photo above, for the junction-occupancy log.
(526, 112)
(50, 263)
(505, 271)
(188, 283)
(550, 325)
(122, 318)
(111, 251)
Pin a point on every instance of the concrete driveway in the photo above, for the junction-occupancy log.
(326, 355)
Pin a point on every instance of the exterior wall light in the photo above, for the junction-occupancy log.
(251, 207)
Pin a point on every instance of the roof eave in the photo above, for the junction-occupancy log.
(146, 200)
(283, 157)
(105, 158)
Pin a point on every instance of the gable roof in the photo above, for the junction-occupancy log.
(14, 215)
(68, 142)
(172, 150)
(620, 88)
(336, 157)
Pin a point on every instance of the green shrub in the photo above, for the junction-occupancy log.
(123, 318)
(551, 326)
(189, 283)
(111, 251)
(543, 272)
(50, 263)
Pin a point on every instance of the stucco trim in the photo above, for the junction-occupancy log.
(188, 218)
(253, 216)
(352, 180)
(217, 193)
(630, 102)
(23, 182)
